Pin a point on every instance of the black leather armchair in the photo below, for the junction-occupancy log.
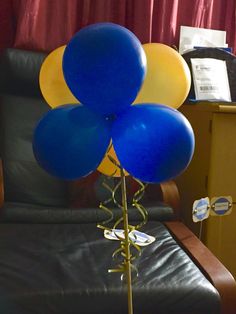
(53, 259)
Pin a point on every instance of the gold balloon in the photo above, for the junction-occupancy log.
(51, 80)
(168, 77)
(107, 166)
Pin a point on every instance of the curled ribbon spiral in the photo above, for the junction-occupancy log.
(107, 210)
(106, 225)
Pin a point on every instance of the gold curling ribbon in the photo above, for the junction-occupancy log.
(121, 250)
(107, 210)
(136, 250)
(135, 203)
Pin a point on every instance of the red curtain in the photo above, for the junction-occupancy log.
(7, 30)
(44, 25)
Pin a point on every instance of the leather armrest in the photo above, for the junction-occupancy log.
(1, 185)
(171, 196)
(213, 269)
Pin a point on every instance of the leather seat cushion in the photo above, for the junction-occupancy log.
(62, 269)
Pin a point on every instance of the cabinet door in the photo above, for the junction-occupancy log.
(220, 233)
(192, 183)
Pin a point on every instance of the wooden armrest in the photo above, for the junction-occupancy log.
(212, 268)
(1, 185)
(171, 196)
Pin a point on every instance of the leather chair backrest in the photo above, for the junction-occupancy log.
(21, 107)
(31, 194)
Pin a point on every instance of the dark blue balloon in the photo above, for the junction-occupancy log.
(154, 143)
(104, 66)
(70, 141)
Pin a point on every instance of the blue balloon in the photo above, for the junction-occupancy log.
(70, 141)
(154, 143)
(104, 66)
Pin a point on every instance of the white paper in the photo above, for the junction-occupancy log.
(191, 37)
(210, 79)
(139, 238)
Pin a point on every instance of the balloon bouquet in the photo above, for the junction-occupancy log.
(110, 93)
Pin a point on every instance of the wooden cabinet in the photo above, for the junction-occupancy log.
(212, 172)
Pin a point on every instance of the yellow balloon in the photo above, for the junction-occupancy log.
(51, 80)
(109, 168)
(168, 77)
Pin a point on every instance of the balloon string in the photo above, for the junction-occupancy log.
(113, 161)
(141, 209)
(126, 253)
(114, 198)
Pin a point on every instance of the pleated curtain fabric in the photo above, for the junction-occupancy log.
(44, 25)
